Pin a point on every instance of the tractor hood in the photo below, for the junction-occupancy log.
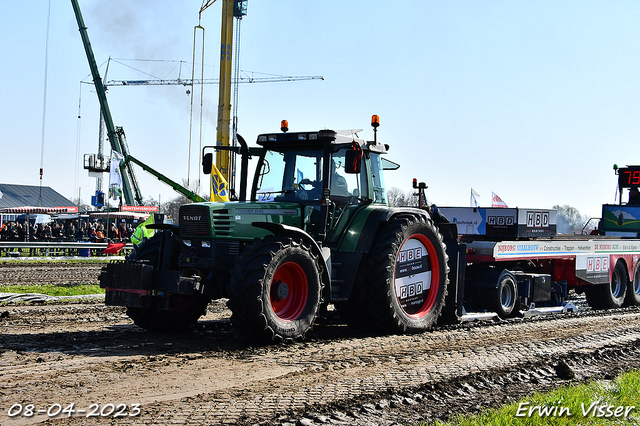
(234, 219)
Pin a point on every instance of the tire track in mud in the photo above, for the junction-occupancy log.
(353, 378)
(89, 353)
(54, 273)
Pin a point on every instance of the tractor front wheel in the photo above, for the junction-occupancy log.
(183, 313)
(275, 290)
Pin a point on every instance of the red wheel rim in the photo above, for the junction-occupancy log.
(425, 307)
(289, 291)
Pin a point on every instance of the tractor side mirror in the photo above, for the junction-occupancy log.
(352, 161)
(207, 161)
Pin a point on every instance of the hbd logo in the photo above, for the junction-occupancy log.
(500, 220)
(411, 290)
(537, 219)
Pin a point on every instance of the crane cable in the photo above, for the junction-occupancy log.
(234, 127)
(78, 132)
(205, 5)
(193, 70)
(44, 101)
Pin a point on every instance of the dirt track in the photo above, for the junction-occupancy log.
(60, 273)
(86, 353)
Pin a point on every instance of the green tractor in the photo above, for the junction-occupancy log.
(316, 230)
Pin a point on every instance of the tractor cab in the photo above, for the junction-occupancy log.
(330, 174)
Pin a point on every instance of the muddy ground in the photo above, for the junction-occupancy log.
(53, 355)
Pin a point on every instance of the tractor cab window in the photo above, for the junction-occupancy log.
(379, 191)
(345, 184)
(290, 176)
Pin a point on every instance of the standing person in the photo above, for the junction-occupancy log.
(113, 232)
(56, 232)
(48, 233)
(69, 231)
(33, 232)
(20, 231)
(40, 232)
(99, 233)
(142, 232)
(79, 235)
(92, 234)
(122, 232)
(13, 232)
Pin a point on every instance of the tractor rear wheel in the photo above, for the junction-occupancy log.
(406, 278)
(275, 290)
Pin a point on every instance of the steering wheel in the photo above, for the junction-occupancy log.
(309, 182)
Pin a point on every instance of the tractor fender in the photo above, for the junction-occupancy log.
(292, 231)
(378, 216)
(404, 211)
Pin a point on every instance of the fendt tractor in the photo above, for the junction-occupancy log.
(317, 230)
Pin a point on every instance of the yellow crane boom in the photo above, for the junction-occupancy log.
(224, 88)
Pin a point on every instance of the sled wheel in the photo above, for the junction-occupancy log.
(275, 290)
(407, 277)
(633, 289)
(505, 297)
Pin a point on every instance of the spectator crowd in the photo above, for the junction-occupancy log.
(69, 230)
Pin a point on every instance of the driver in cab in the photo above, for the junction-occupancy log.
(338, 182)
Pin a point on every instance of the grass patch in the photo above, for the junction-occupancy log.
(593, 403)
(54, 290)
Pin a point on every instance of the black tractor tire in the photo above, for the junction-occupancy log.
(275, 290)
(183, 311)
(609, 295)
(633, 289)
(405, 280)
(183, 314)
(504, 298)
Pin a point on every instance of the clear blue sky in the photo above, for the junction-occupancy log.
(534, 101)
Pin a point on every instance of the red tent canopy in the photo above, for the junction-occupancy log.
(37, 210)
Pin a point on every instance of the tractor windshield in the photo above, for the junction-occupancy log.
(290, 176)
(297, 176)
